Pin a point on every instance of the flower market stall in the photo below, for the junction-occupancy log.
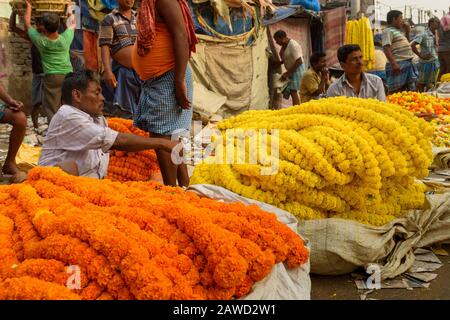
(350, 171)
(141, 240)
(337, 184)
(436, 110)
(349, 182)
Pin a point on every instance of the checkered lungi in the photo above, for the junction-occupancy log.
(294, 81)
(158, 111)
(381, 74)
(428, 72)
(405, 79)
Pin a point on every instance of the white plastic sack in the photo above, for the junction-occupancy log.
(206, 102)
(282, 283)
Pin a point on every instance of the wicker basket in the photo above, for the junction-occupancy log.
(40, 6)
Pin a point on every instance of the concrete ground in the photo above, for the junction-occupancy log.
(344, 287)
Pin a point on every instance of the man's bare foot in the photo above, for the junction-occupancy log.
(19, 177)
(10, 168)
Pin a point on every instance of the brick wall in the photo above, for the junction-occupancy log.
(18, 65)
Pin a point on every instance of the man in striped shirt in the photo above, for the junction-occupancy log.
(79, 139)
(400, 71)
(118, 34)
(429, 62)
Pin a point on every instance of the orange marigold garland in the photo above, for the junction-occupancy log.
(131, 166)
(7, 254)
(137, 240)
(28, 288)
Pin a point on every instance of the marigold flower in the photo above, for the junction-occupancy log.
(336, 158)
(138, 240)
(28, 288)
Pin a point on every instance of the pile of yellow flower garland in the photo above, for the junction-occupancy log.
(135, 240)
(130, 166)
(340, 157)
(445, 77)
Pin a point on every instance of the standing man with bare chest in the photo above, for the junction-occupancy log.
(291, 54)
(118, 33)
(166, 39)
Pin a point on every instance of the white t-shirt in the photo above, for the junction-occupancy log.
(291, 54)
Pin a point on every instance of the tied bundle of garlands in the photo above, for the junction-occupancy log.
(135, 240)
(339, 157)
(130, 166)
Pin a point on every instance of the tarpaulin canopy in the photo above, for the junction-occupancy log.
(236, 71)
(289, 11)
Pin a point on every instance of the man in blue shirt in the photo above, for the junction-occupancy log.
(429, 62)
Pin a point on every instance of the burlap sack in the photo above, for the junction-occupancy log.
(340, 246)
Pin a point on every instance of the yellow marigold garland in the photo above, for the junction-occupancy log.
(445, 77)
(360, 32)
(338, 157)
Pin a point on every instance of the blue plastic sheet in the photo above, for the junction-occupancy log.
(110, 4)
(280, 14)
(313, 5)
(241, 23)
(87, 22)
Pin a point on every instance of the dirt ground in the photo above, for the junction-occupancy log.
(344, 287)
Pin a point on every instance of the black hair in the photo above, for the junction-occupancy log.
(434, 19)
(50, 21)
(345, 50)
(76, 81)
(392, 15)
(280, 34)
(38, 20)
(315, 57)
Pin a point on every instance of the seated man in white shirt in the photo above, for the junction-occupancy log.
(354, 82)
(79, 139)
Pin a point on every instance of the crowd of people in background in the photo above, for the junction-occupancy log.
(394, 69)
(145, 62)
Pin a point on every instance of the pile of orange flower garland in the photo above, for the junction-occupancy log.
(131, 166)
(430, 108)
(134, 240)
(420, 103)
